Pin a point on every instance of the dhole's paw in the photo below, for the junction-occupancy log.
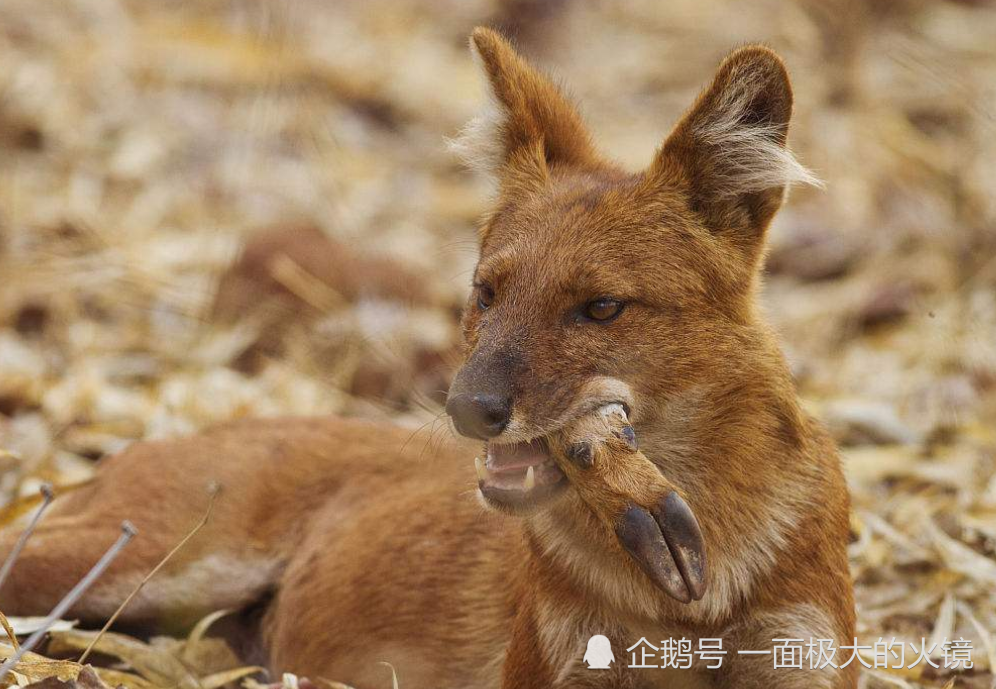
(654, 525)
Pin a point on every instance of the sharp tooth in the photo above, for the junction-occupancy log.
(482, 471)
(530, 481)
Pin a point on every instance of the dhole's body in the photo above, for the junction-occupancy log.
(373, 541)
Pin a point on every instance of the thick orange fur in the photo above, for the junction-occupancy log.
(372, 540)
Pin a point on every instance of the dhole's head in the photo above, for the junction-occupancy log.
(596, 285)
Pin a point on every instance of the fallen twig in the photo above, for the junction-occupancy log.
(128, 531)
(47, 496)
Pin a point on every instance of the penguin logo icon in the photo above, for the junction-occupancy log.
(599, 653)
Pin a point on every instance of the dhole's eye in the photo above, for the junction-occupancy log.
(485, 297)
(603, 309)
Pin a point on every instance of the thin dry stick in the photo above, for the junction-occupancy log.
(47, 495)
(193, 532)
(127, 533)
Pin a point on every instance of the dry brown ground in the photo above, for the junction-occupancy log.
(141, 142)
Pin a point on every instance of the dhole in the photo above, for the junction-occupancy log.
(595, 287)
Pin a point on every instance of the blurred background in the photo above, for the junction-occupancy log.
(224, 208)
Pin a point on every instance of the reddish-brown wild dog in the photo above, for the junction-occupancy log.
(596, 290)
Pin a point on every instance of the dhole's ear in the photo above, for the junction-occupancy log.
(729, 154)
(528, 125)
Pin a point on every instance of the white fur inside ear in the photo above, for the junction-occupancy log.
(749, 157)
(480, 144)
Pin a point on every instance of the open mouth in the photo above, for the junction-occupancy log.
(518, 476)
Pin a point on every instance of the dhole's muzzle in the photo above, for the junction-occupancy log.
(494, 398)
(514, 476)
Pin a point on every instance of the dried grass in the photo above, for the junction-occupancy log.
(143, 142)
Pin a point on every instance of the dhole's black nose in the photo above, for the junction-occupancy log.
(477, 415)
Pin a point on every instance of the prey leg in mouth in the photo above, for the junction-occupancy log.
(599, 455)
